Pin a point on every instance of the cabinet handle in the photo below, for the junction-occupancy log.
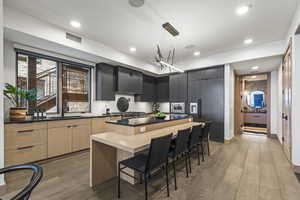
(27, 147)
(26, 131)
(70, 126)
(75, 126)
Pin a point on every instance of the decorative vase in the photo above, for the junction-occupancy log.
(17, 113)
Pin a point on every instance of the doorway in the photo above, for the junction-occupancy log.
(252, 96)
(287, 102)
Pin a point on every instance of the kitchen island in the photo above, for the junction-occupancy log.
(126, 138)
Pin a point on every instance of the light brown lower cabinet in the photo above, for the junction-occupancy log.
(24, 143)
(98, 125)
(26, 154)
(81, 137)
(29, 142)
(59, 141)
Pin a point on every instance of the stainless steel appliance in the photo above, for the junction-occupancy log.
(193, 108)
(178, 107)
(196, 108)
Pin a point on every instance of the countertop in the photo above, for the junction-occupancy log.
(29, 120)
(139, 142)
(147, 120)
(254, 112)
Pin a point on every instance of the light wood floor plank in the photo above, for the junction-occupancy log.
(252, 167)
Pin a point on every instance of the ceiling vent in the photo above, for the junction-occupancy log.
(74, 38)
(136, 3)
(170, 29)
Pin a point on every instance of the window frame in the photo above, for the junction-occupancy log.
(59, 74)
(89, 85)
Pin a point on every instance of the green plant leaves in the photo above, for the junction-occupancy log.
(16, 96)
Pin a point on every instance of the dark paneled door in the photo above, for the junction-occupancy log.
(212, 97)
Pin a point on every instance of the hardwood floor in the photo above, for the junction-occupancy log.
(252, 167)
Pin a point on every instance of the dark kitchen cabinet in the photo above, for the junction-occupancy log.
(178, 87)
(162, 89)
(149, 90)
(209, 88)
(129, 81)
(206, 74)
(105, 82)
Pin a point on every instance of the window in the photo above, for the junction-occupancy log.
(40, 74)
(44, 75)
(76, 88)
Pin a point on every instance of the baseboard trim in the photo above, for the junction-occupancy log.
(274, 136)
(228, 141)
(297, 169)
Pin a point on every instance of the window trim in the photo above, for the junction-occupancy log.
(59, 62)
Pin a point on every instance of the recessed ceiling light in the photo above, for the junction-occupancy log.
(242, 10)
(253, 76)
(248, 41)
(254, 67)
(197, 53)
(75, 24)
(132, 49)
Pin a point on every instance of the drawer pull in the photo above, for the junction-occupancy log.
(75, 126)
(27, 147)
(70, 126)
(26, 131)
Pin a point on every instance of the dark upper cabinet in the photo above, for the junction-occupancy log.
(178, 87)
(213, 73)
(206, 74)
(149, 90)
(129, 81)
(162, 89)
(105, 82)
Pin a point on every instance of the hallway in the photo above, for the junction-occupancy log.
(252, 167)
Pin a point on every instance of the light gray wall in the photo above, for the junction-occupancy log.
(1, 94)
(274, 103)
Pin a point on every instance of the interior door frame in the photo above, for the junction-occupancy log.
(238, 117)
(287, 148)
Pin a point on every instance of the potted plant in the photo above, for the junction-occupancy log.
(160, 115)
(16, 97)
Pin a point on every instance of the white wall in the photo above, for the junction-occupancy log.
(229, 78)
(1, 94)
(274, 103)
(294, 24)
(265, 50)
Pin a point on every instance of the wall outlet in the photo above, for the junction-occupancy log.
(142, 129)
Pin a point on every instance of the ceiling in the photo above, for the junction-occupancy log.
(267, 64)
(209, 26)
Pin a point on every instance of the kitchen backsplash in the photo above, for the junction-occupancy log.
(99, 107)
